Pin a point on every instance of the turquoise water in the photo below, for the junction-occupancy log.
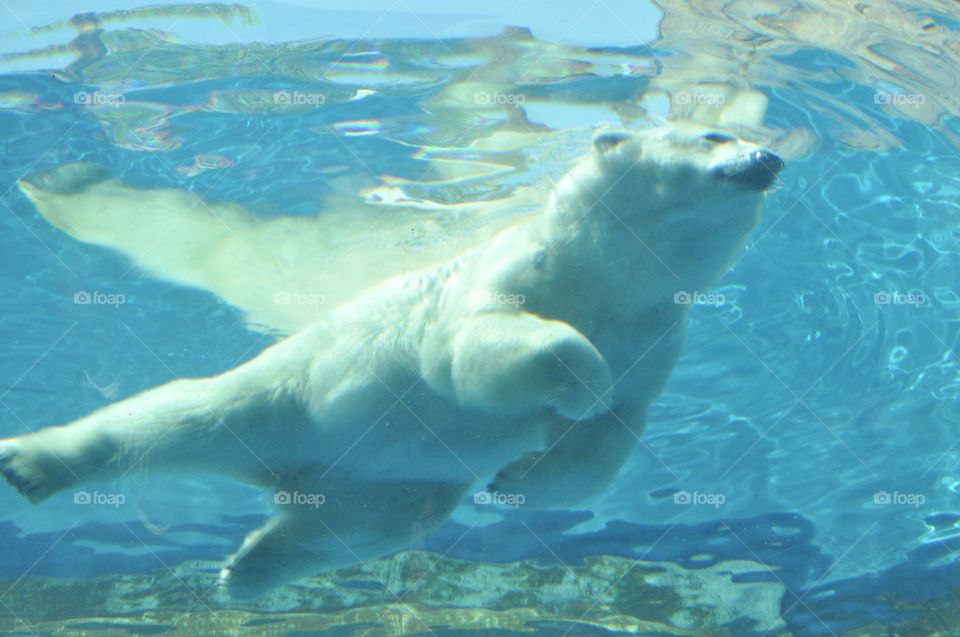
(813, 412)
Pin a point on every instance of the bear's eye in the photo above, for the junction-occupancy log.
(719, 138)
(607, 140)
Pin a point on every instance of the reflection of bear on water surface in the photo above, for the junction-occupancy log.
(372, 423)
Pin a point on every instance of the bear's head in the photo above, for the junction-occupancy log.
(677, 201)
(706, 161)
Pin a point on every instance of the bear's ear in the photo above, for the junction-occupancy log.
(606, 140)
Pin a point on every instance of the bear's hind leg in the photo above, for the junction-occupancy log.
(339, 523)
(283, 550)
(579, 460)
(194, 423)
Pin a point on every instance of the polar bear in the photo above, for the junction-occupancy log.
(373, 422)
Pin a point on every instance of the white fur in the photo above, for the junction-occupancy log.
(399, 402)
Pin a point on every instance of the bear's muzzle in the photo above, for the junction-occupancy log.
(756, 170)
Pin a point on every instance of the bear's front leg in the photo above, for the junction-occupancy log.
(517, 363)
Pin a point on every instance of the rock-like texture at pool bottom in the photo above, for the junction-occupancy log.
(411, 593)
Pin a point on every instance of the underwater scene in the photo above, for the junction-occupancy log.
(393, 318)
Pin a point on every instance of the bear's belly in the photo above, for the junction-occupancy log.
(424, 437)
(421, 436)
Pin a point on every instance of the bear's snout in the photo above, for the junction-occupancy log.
(756, 170)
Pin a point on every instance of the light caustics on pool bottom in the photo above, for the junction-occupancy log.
(818, 398)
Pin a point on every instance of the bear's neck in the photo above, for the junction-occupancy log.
(595, 243)
(582, 224)
(596, 265)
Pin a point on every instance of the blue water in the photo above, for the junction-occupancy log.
(799, 400)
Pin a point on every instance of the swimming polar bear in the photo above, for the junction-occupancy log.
(372, 423)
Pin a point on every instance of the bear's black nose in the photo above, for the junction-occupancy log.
(755, 171)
